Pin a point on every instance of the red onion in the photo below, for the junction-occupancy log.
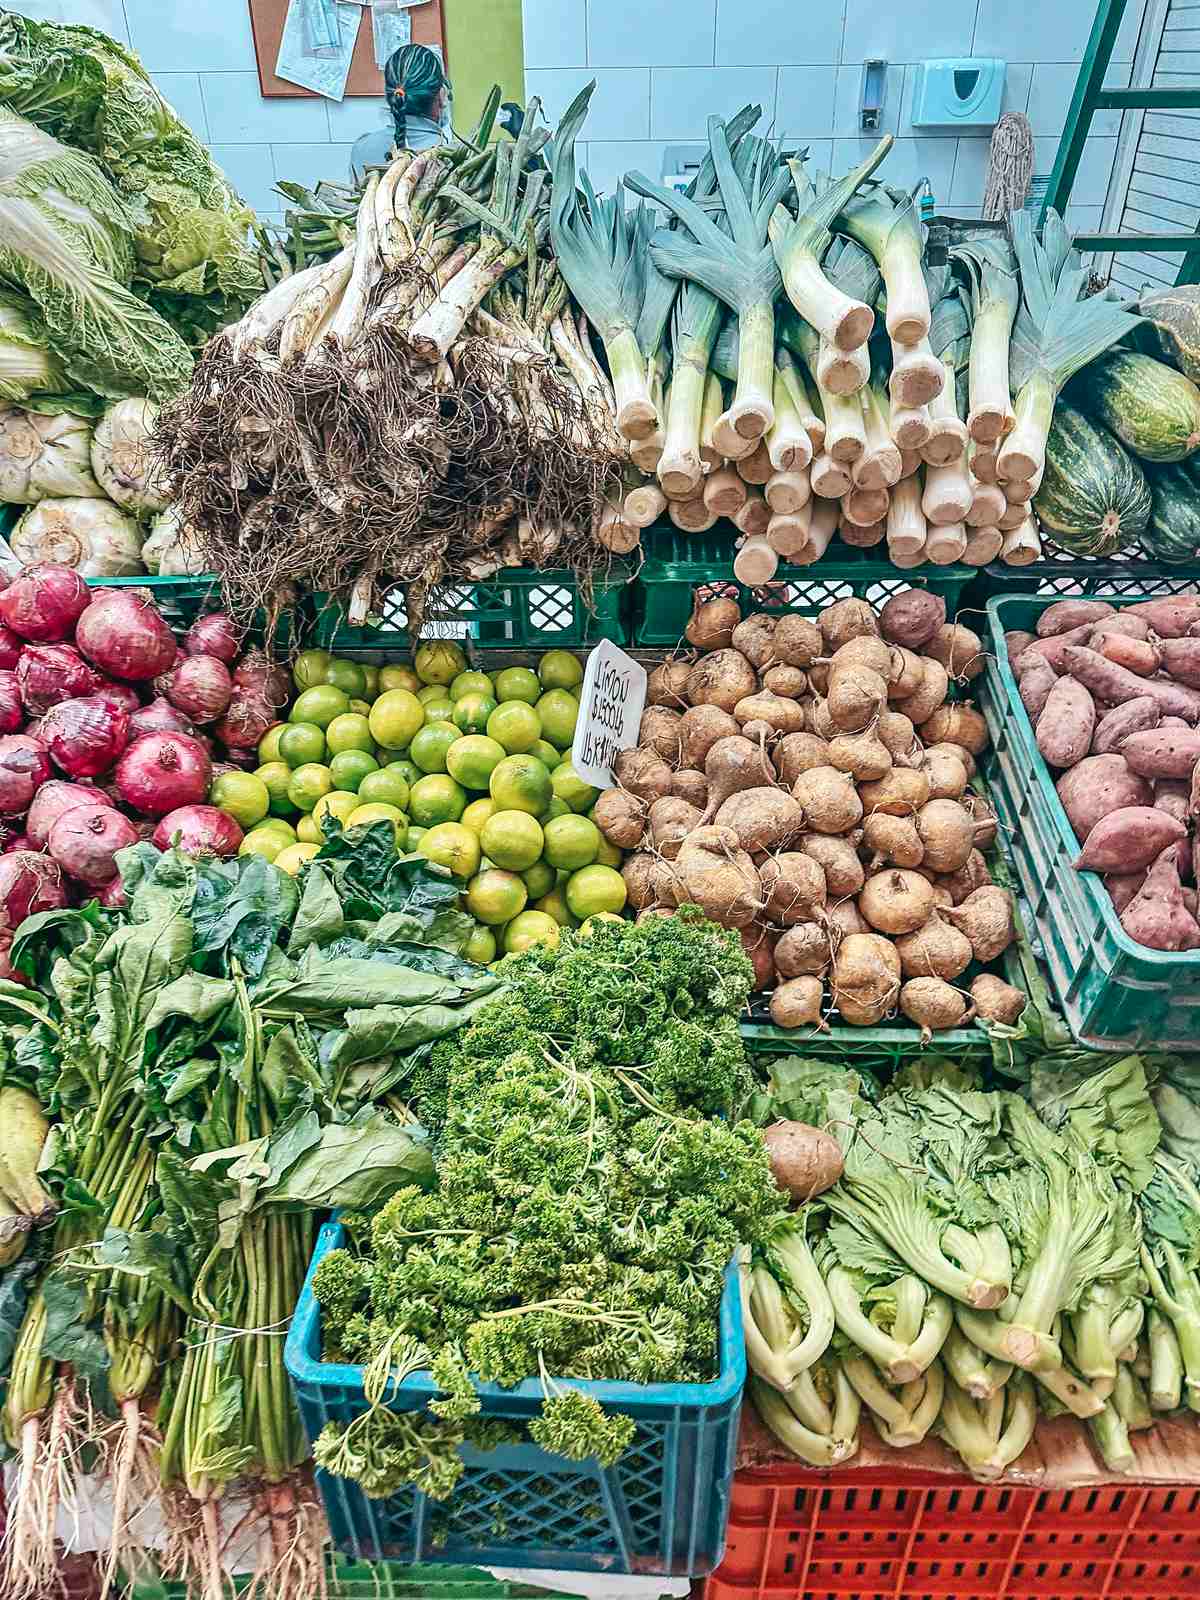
(51, 673)
(124, 635)
(85, 840)
(199, 831)
(242, 760)
(112, 895)
(201, 687)
(52, 800)
(44, 603)
(160, 716)
(11, 645)
(19, 841)
(84, 736)
(120, 696)
(24, 766)
(163, 771)
(12, 712)
(213, 635)
(272, 684)
(28, 882)
(247, 722)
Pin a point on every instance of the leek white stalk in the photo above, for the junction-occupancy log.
(732, 445)
(614, 532)
(948, 433)
(884, 221)
(987, 504)
(845, 430)
(646, 453)
(724, 492)
(1023, 453)
(755, 562)
(754, 516)
(1021, 545)
(788, 531)
(911, 427)
(691, 516)
(829, 478)
(910, 463)
(880, 465)
(946, 543)
(787, 491)
(1023, 488)
(694, 329)
(789, 443)
(994, 294)
(842, 371)
(821, 530)
(917, 375)
(862, 538)
(714, 406)
(644, 505)
(907, 559)
(947, 496)
(865, 507)
(907, 529)
(1014, 514)
(756, 468)
(983, 464)
(983, 545)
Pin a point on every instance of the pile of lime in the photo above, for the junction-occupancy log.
(472, 769)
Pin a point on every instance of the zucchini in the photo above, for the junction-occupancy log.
(1094, 499)
(1152, 409)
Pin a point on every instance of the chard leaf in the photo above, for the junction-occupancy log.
(319, 918)
(68, 1336)
(382, 1031)
(240, 909)
(354, 1164)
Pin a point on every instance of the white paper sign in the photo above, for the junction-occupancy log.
(611, 698)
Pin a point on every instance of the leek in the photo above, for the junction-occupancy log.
(884, 221)
(906, 527)
(862, 538)
(1055, 334)
(993, 293)
(787, 491)
(984, 544)
(822, 525)
(800, 242)
(756, 467)
(879, 466)
(755, 562)
(754, 518)
(694, 325)
(789, 442)
(1021, 545)
(788, 532)
(724, 492)
(738, 267)
(946, 543)
(593, 246)
(845, 437)
(865, 507)
(829, 478)
(950, 342)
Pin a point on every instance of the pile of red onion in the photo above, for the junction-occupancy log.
(108, 730)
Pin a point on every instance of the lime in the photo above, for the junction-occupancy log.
(361, 708)
(291, 859)
(477, 814)
(571, 842)
(370, 682)
(406, 768)
(302, 742)
(513, 840)
(517, 683)
(453, 846)
(308, 784)
(439, 661)
(395, 718)
(439, 710)
(430, 744)
(240, 795)
(431, 691)
(539, 879)
(436, 799)
(415, 835)
(594, 889)
(472, 760)
(277, 775)
(521, 783)
(347, 676)
(310, 669)
(481, 946)
(609, 855)
(350, 731)
(386, 785)
(338, 803)
(556, 808)
(569, 786)
(586, 929)
(470, 683)
(397, 675)
(555, 905)
(515, 725)
(559, 669)
(546, 754)
(364, 816)
(268, 747)
(471, 712)
(308, 830)
(495, 897)
(320, 705)
(267, 841)
(559, 712)
(528, 928)
(350, 767)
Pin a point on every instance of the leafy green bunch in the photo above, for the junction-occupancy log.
(591, 1190)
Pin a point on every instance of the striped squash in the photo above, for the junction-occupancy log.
(1173, 533)
(1094, 499)
(1152, 409)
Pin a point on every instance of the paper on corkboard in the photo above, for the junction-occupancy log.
(364, 78)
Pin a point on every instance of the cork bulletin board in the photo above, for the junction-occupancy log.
(365, 78)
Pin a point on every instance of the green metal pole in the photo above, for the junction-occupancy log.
(1083, 105)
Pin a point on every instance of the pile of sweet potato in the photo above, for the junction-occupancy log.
(807, 782)
(1114, 697)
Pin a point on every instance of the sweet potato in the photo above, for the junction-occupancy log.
(1034, 687)
(1158, 916)
(803, 950)
(793, 887)
(866, 979)
(1120, 622)
(1127, 839)
(1114, 684)
(1134, 716)
(1123, 886)
(838, 859)
(1163, 752)
(721, 679)
(1015, 640)
(958, 649)
(1181, 660)
(763, 819)
(912, 617)
(1172, 795)
(1170, 617)
(1053, 649)
(1064, 615)
(1065, 727)
(1138, 655)
(1098, 785)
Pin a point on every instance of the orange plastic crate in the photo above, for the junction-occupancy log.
(795, 1534)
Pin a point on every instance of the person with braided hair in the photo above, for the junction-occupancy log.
(417, 91)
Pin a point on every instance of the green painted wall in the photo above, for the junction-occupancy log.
(484, 46)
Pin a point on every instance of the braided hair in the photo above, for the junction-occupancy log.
(412, 80)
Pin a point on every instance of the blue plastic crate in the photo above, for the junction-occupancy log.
(660, 1510)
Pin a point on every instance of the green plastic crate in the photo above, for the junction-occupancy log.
(1061, 575)
(347, 1579)
(677, 564)
(878, 1048)
(1114, 994)
(517, 608)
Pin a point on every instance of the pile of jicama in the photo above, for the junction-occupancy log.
(1114, 696)
(983, 1259)
(807, 782)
